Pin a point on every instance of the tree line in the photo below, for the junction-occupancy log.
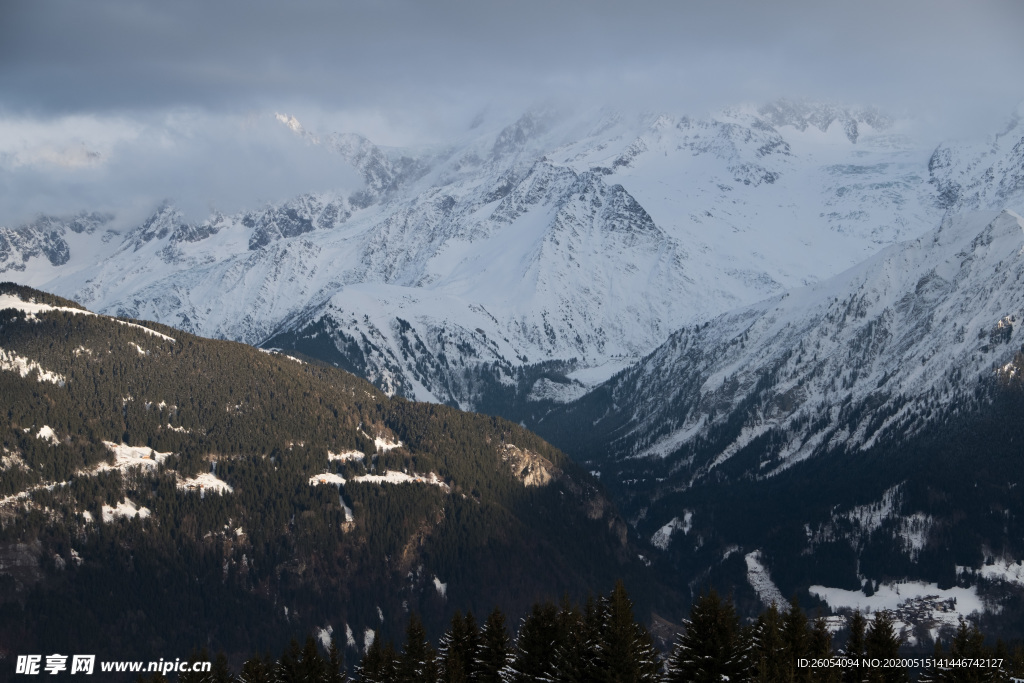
(601, 641)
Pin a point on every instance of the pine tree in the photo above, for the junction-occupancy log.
(1001, 674)
(418, 662)
(796, 640)
(335, 664)
(457, 649)
(767, 649)
(820, 647)
(934, 673)
(219, 672)
(627, 653)
(709, 650)
(492, 655)
(378, 663)
(257, 669)
(575, 659)
(854, 649)
(968, 642)
(1016, 663)
(449, 652)
(536, 643)
(312, 666)
(881, 642)
(192, 676)
(289, 666)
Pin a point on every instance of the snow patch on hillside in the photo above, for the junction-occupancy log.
(368, 637)
(125, 508)
(545, 389)
(345, 455)
(327, 478)
(130, 456)
(1010, 572)
(870, 517)
(860, 522)
(204, 483)
(145, 329)
(47, 433)
(1005, 570)
(761, 581)
(395, 477)
(324, 636)
(384, 445)
(663, 536)
(12, 362)
(31, 308)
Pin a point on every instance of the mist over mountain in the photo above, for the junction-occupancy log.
(580, 240)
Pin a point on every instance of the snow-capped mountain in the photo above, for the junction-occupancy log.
(850, 436)
(580, 240)
(879, 350)
(979, 176)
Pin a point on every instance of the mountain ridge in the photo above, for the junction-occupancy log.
(521, 232)
(859, 431)
(879, 305)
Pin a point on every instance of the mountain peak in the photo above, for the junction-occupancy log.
(291, 122)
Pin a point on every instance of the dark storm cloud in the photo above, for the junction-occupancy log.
(111, 54)
(75, 75)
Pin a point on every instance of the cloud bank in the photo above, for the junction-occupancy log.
(127, 166)
(110, 76)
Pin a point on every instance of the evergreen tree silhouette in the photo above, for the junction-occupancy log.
(709, 650)
(417, 662)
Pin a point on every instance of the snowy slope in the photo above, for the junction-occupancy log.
(989, 175)
(875, 350)
(584, 239)
(860, 431)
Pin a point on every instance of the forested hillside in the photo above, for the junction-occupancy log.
(160, 491)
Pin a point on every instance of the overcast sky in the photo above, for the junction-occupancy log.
(176, 98)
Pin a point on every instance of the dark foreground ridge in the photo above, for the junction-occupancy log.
(160, 491)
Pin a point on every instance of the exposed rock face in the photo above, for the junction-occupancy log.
(528, 467)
